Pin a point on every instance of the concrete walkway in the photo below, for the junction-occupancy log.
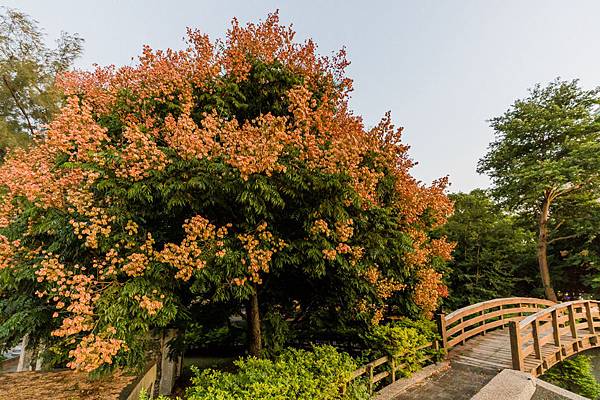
(457, 383)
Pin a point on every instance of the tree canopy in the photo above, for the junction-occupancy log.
(492, 250)
(229, 174)
(546, 148)
(28, 69)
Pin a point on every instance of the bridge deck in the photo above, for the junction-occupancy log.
(492, 350)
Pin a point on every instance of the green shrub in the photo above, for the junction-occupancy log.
(295, 374)
(144, 396)
(575, 374)
(401, 339)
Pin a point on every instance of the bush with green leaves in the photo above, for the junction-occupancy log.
(401, 340)
(575, 374)
(296, 374)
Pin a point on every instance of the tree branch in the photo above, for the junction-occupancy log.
(558, 226)
(19, 105)
(563, 238)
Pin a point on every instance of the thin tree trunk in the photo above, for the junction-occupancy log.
(19, 106)
(542, 252)
(253, 321)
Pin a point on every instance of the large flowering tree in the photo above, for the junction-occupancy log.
(229, 173)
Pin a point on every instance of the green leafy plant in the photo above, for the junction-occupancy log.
(295, 374)
(575, 374)
(403, 340)
(144, 396)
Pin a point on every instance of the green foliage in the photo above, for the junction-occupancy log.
(401, 340)
(492, 251)
(295, 374)
(575, 374)
(546, 152)
(548, 140)
(576, 259)
(28, 69)
(310, 284)
(145, 396)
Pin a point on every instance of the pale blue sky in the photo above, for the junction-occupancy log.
(442, 67)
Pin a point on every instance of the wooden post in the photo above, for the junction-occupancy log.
(572, 322)
(590, 318)
(515, 346)
(393, 362)
(555, 327)
(370, 369)
(441, 321)
(483, 322)
(462, 331)
(535, 330)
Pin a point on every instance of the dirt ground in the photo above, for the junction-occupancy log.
(60, 385)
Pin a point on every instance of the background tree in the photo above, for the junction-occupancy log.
(492, 250)
(28, 68)
(227, 176)
(577, 260)
(546, 148)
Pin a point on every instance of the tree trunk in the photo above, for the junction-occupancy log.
(543, 250)
(253, 322)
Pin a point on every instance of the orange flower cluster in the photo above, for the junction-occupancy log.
(93, 351)
(151, 306)
(97, 221)
(429, 290)
(136, 264)
(320, 226)
(7, 250)
(140, 155)
(189, 255)
(75, 289)
(343, 233)
(260, 247)
(344, 230)
(385, 288)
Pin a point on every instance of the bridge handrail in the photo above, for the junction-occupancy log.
(573, 318)
(482, 317)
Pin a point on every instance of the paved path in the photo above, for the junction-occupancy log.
(457, 383)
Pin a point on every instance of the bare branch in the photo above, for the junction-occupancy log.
(19, 105)
(563, 238)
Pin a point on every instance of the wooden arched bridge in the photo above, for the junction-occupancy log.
(521, 333)
(541, 333)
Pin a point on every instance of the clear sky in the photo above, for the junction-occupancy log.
(442, 67)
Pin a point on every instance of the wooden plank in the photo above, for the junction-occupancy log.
(475, 331)
(486, 316)
(475, 308)
(378, 362)
(380, 376)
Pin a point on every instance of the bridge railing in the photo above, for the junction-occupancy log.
(575, 321)
(477, 319)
